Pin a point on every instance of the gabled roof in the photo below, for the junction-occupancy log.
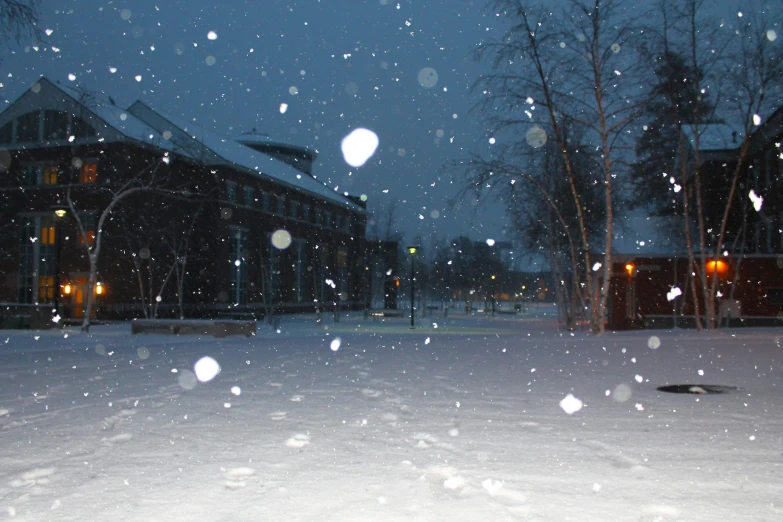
(110, 122)
(212, 149)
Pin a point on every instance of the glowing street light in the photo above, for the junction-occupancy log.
(412, 251)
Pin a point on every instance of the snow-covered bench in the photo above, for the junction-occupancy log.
(384, 312)
(215, 328)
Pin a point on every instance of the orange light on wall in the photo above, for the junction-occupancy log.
(629, 268)
(99, 288)
(719, 267)
(67, 289)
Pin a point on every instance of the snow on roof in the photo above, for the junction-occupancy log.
(118, 118)
(241, 156)
(715, 136)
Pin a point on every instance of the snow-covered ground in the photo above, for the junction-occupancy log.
(459, 420)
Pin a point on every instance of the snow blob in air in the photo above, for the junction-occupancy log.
(283, 108)
(639, 378)
(36, 87)
(72, 77)
(756, 120)
(359, 146)
(335, 344)
(757, 200)
(351, 88)
(281, 239)
(434, 214)
(206, 369)
(428, 77)
(210, 60)
(622, 392)
(492, 141)
(212, 35)
(100, 349)
(125, 14)
(187, 379)
(490, 242)
(654, 342)
(615, 48)
(571, 404)
(293, 91)
(672, 294)
(772, 35)
(536, 137)
(236, 390)
(138, 77)
(143, 352)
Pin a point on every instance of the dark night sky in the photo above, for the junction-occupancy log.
(350, 64)
(338, 65)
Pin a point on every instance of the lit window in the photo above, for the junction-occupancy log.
(90, 237)
(50, 175)
(89, 173)
(45, 289)
(47, 235)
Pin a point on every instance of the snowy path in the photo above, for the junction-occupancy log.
(458, 422)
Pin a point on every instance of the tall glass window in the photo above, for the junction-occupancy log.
(238, 269)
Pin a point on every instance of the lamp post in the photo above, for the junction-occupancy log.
(412, 251)
(59, 212)
(493, 295)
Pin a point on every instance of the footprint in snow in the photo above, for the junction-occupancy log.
(372, 394)
(34, 477)
(120, 437)
(299, 440)
(296, 398)
(236, 478)
(278, 415)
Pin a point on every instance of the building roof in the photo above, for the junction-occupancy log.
(715, 136)
(109, 121)
(216, 150)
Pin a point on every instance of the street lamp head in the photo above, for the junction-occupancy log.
(60, 213)
(412, 249)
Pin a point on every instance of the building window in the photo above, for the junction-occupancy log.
(249, 197)
(300, 270)
(55, 125)
(270, 269)
(89, 173)
(231, 191)
(37, 250)
(31, 174)
(88, 236)
(50, 175)
(280, 205)
(328, 219)
(305, 212)
(266, 199)
(238, 269)
(338, 223)
(293, 209)
(7, 133)
(82, 129)
(27, 127)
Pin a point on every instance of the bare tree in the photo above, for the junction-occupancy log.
(579, 65)
(18, 18)
(146, 180)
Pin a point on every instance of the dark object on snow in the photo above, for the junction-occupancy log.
(697, 389)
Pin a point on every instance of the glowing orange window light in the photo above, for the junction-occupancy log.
(719, 267)
(629, 268)
(67, 289)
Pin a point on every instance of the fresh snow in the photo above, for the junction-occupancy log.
(459, 422)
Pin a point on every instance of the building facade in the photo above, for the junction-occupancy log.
(215, 226)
